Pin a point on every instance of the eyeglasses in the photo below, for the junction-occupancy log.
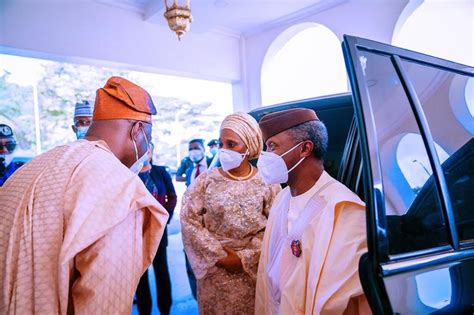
(10, 146)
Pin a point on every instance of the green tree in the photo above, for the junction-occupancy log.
(177, 122)
(59, 89)
(61, 85)
(16, 110)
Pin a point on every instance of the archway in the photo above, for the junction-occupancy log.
(304, 61)
(439, 28)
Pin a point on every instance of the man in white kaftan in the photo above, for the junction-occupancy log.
(316, 230)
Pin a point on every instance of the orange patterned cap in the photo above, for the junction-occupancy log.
(122, 99)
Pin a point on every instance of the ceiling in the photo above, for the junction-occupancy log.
(231, 17)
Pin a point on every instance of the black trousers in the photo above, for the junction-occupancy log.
(163, 286)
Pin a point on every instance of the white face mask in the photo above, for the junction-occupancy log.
(273, 168)
(138, 165)
(196, 155)
(7, 159)
(230, 159)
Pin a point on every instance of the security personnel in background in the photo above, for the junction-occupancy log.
(213, 147)
(82, 119)
(7, 147)
(214, 150)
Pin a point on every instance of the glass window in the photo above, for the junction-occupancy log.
(469, 97)
(444, 97)
(414, 216)
(416, 167)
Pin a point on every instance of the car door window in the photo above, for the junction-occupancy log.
(413, 213)
(445, 97)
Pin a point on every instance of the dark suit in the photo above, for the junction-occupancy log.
(6, 172)
(191, 167)
(159, 183)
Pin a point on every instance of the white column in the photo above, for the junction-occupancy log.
(37, 119)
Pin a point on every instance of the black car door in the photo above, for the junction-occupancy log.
(415, 121)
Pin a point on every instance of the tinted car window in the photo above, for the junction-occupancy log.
(413, 222)
(336, 111)
(445, 98)
(337, 122)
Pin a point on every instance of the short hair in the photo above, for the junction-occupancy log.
(199, 141)
(316, 132)
(213, 142)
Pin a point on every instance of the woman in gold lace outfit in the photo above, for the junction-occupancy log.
(223, 220)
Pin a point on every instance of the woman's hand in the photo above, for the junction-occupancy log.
(232, 262)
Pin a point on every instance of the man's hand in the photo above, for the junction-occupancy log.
(232, 262)
(180, 178)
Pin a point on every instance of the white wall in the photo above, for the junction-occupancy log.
(89, 32)
(93, 33)
(371, 19)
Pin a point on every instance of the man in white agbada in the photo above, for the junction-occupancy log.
(316, 231)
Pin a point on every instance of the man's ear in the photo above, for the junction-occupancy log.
(135, 131)
(307, 149)
(74, 128)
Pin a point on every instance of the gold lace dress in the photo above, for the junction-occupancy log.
(218, 212)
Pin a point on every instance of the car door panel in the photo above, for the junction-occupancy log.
(419, 213)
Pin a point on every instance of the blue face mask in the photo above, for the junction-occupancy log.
(81, 132)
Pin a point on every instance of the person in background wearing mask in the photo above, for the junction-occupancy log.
(159, 184)
(196, 163)
(213, 153)
(316, 230)
(7, 147)
(223, 220)
(82, 119)
(213, 147)
(78, 226)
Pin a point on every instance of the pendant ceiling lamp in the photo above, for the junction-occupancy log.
(179, 16)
